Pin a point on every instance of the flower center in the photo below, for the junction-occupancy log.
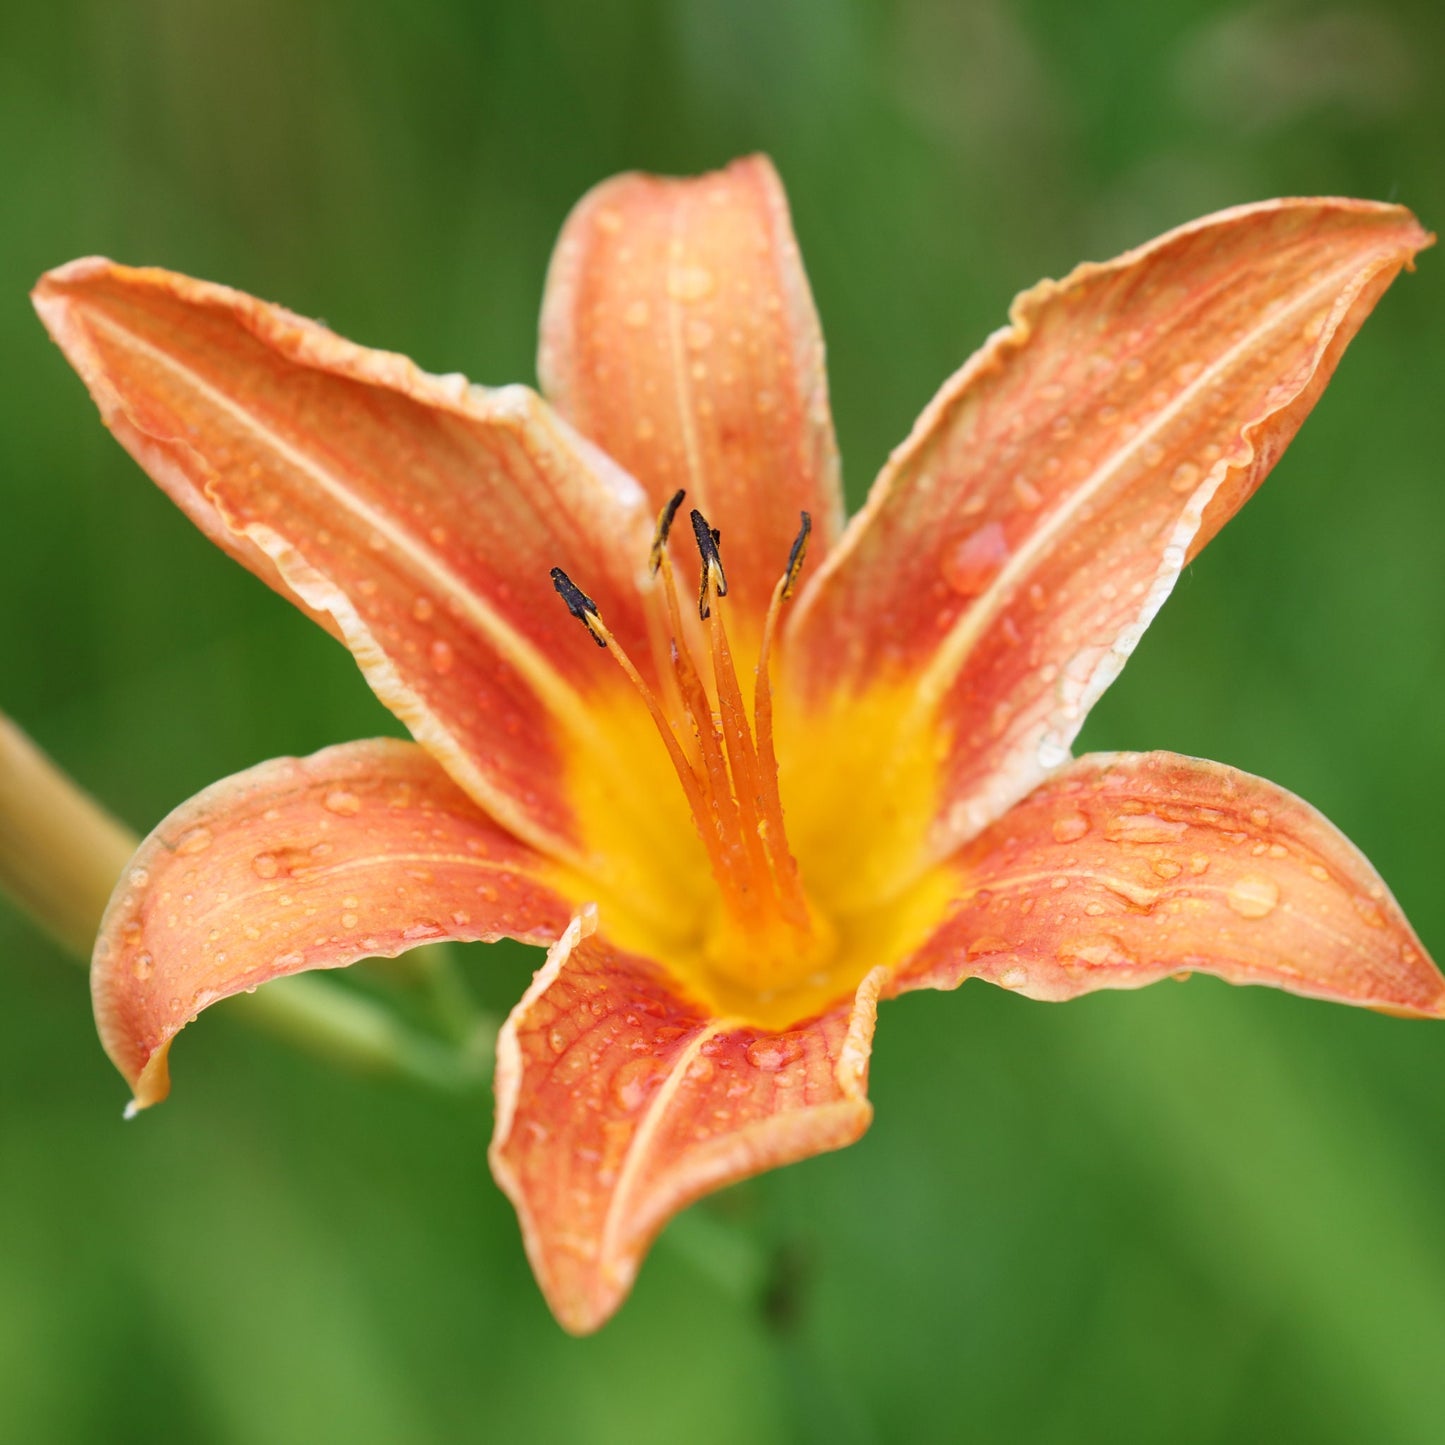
(763, 931)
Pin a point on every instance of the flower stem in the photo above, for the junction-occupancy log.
(61, 853)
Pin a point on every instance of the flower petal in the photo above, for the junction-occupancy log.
(619, 1102)
(1126, 867)
(678, 332)
(1019, 542)
(362, 850)
(418, 517)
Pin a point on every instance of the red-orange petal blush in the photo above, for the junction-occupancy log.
(619, 1102)
(363, 850)
(1125, 868)
(678, 332)
(1018, 544)
(414, 514)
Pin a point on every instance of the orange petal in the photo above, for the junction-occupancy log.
(1124, 868)
(679, 333)
(619, 1102)
(1017, 545)
(418, 516)
(363, 850)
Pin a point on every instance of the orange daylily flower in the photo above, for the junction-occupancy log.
(739, 822)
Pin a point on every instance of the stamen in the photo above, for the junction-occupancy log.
(579, 604)
(730, 773)
(714, 579)
(664, 526)
(796, 553)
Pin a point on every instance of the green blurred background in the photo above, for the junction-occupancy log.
(1192, 1214)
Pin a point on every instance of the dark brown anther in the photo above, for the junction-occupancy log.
(579, 604)
(713, 576)
(664, 526)
(795, 556)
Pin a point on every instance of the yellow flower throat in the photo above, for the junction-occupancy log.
(761, 926)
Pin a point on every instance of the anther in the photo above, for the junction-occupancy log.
(713, 576)
(664, 526)
(796, 555)
(579, 604)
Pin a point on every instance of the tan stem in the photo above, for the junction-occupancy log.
(60, 851)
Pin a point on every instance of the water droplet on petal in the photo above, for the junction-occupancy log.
(344, 804)
(349, 920)
(774, 1053)
(1185, 478)
(1099, 950)
(1070, 827)
(1014, 977)
(143, 966)
(1167, 868)
(1253, 896)
(971, 565)
(422, 609)
(636, 1081)
(689, 283)
(1143, 828)
(265, 865)
(139, 877)
(441, 656)
(195, 840)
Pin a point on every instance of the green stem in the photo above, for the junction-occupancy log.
(60, 856)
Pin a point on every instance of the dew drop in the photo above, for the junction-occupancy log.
(635, 1081)
(1369, 910)
(139, 877)
(1253, 896)
(970, 566)
(422, 609)
(774, 1053)
(1143, 828)
(609, 220)
(1099, 950)
(989, 943)
(441, 656)
(689, 283)
(143, 966)
(1030, 498)
(1167, 868)
(1013, 977)
(1070, 827)
(344, 804)
(1185, 478)
(195, 840)
(265, 865)
(349, 920)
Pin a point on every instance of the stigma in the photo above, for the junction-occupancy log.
(719, 741)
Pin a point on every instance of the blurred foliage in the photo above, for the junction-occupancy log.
(1192, 1215)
